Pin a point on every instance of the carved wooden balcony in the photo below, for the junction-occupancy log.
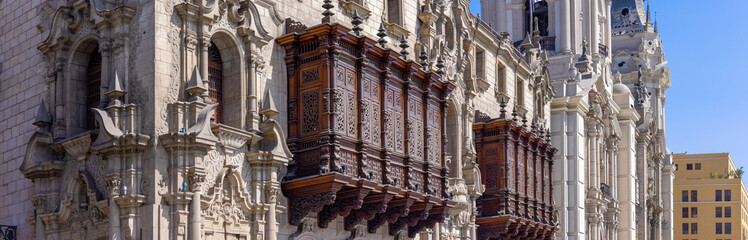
(516, 167)
(367, 130)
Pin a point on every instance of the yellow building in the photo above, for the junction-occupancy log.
(709, 201)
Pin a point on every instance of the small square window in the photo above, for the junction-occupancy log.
(689, 166)
(697, 166)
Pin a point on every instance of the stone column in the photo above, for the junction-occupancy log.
(564, 26)
(595, 28)
(39, 228)
(195, 222)
(58, 127)
(253, 117)
(271, 229)
(641, 173)
(113, 185)
(105, 48)
(203, 53)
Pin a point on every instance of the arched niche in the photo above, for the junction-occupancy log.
(449, 34)
(81, 86)
(234, 85)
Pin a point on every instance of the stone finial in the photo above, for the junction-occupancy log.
(356, 21)
(440, 66)
(195, 86)
(404, 45)
(382, 33)
(42, 119)
(116, 90)
(536, 28)
(502, 104)
(548, 135)
(268, 108)
(423, 56)
(327, 13)
(524, 120)
(514, 114)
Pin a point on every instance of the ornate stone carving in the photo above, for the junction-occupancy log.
(300, 207)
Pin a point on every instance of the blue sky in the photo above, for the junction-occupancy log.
(706, 45)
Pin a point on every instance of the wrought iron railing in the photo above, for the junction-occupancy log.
(8, 232)
(548, 43)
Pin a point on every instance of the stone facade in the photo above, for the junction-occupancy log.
(613, 173)
(110, 130)
(108, 107)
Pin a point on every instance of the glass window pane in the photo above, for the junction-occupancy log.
(685, 212)
(694, 212)
(728, 212)
(728, 228)
(697, 166)
(719, 212)
(718, 195)
(694, 228)
(694, 198)
(719, 228)
(685, 228)
(728, 195)
(685, 196)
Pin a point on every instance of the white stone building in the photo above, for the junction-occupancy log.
(613, 173)
(110, 131)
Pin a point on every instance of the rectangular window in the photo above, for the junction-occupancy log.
(697, 166)
(718, 195)
(728, 195)
(694, 228)
(694, 198)
(728, 212)
(685, 228)
(500, 79)
(685, 196)
(480, 63)
(719, 228)
(520, 95)
(694, 212)
(728, 228)
(718, 212)
(689, 166)
(393, 12)
(685, 212)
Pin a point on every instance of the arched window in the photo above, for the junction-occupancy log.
(215, 76)
(93, 85)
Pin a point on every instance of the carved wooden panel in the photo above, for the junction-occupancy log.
(362, 118)
(520, 202)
